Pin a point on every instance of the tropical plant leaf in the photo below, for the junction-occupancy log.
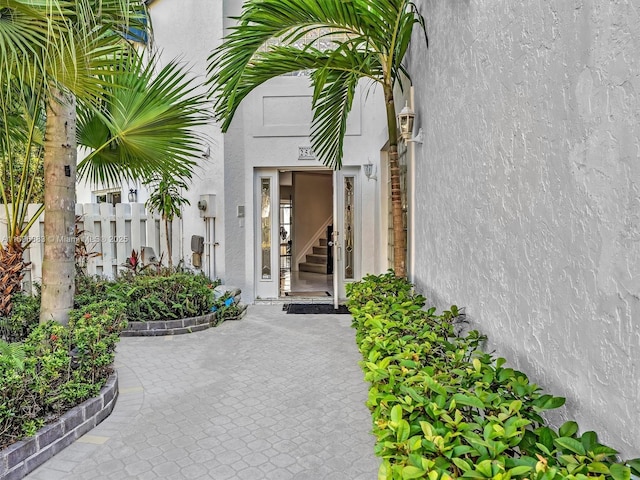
(570, 444)
(568, 429)
(145, 127)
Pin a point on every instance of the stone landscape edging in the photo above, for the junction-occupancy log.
(21, 458)
(155, 328)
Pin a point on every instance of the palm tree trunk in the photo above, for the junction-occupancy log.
(399, 239)
(58, 267)
(167, 223)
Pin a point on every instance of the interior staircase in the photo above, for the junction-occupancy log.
(316, 262)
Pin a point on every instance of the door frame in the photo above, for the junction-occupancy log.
(269, 288)
(339, 278)
(265, 287)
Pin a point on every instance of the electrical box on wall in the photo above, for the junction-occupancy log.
(207, 206)
(197, 244)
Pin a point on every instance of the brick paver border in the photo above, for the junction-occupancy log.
(17, 460)
(157, 328)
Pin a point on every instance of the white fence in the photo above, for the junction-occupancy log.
(111, 232)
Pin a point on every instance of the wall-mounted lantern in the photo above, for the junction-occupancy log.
(405, 121)
(370, 171)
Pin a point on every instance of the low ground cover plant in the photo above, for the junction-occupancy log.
(442, 408)
(55, 368)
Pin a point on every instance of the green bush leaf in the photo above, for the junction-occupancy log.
(551, 402)
(462, 449)
(598, 467)
(403, 431)
(434, 386)
(396, 413)
(521, 470)
(462, 399)
(571, 444)
(619, 472)
(412, 472)
(384, 472)
(568, 429)
(589, 440)
(634, 465)
(546, 436)
(602, 450)
(484, 468)
(461, 464)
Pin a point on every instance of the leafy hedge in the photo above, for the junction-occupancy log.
(442, 408)
(149, 297)
(56, 368)
(24, 317)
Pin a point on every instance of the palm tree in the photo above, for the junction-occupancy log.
(167, 200)
(21, 160)
(63, 46)
(74, 49)
(369, 39)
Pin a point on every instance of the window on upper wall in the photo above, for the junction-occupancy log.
(138, 33)
(108, 196)
(322, 38)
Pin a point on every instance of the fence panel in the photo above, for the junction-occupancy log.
(109, 235)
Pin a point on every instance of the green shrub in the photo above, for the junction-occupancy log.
(56, 368)
(442, 408)
(24, 317)
(149, 297)
(180, 295)
(90, 290)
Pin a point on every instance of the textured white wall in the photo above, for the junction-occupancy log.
(188, 31)
(528, 191)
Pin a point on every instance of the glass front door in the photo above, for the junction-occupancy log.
(282, 248)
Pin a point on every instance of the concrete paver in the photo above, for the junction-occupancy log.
(273, 396)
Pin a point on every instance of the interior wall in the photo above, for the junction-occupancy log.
(312, 205)
(528, 192)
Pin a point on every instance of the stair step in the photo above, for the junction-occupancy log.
(321, 259)
(312, 267)
(323, 242)
(320, 250)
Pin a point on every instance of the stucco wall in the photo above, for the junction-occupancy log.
(187, 33)
(528, 192)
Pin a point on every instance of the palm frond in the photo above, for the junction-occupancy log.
(13, 353)
(334, 90)
(146, 125)
(69, 43)
(21, 116)
(260, 23)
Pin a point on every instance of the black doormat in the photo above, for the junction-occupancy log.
(315, 308)
(319, 293)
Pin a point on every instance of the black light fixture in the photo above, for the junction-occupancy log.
(405, 121)
(133, 195)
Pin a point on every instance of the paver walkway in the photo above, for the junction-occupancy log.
(273, 396)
